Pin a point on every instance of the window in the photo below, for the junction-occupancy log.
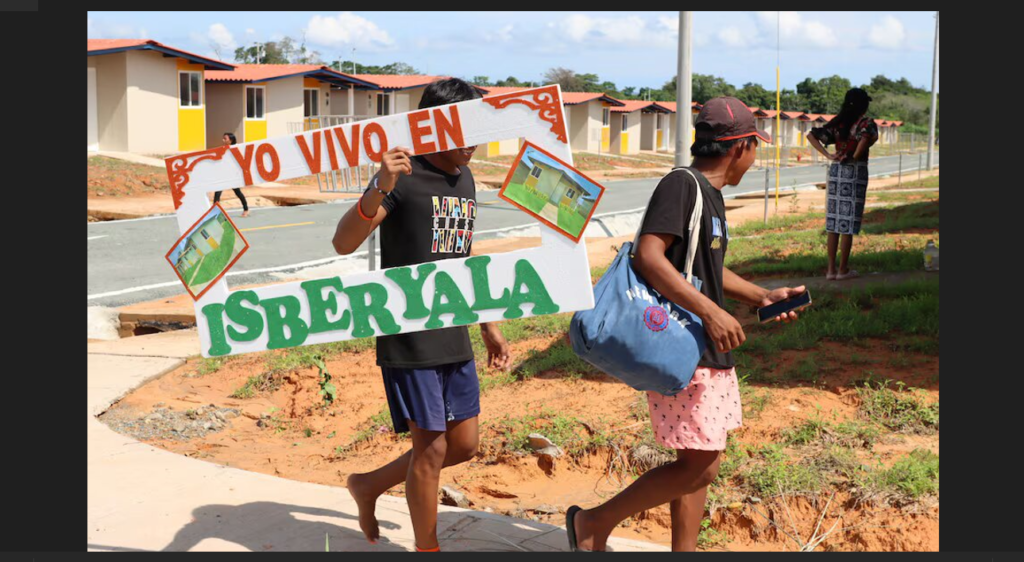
(606, 118)
(535, 172)
(383, 104)
(190, 89)
(624, 122)
(311, 102)
(254, 102)
(203, 232)
(570, 193)
(658, 120)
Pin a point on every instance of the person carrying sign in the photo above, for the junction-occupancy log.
(425, 207)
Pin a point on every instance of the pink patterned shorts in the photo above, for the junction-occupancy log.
(700, 415)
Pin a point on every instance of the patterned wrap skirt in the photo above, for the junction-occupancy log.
(847, 189)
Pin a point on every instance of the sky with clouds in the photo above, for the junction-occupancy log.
(627, 48)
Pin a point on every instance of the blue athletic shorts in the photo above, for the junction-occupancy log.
(433, 396)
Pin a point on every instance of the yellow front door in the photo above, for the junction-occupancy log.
(606, 135)
(624, 143)
(657, 143)
(191, 107)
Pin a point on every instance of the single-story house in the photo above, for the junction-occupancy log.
(559, 187)
(671, 106)
(146, 97)
(258, 101)
(382, 94)
(587, 119)
(202, 241)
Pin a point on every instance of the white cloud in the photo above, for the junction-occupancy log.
(250, 31)
(219, 35)
(347, 30)
(629, 30)
(887, 34)
(732, 37)
(792, 30)
(669, 24)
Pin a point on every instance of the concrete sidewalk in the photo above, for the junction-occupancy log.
(146, 499)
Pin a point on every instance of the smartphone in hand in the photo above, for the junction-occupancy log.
(768, 313)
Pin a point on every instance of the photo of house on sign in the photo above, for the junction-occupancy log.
(552, 191)
(206, 252)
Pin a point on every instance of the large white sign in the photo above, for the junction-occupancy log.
(554, 277)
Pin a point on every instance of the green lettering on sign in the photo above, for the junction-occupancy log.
(363, 310)
(251, 319)
(215, 324)
(536, 292)
(320, 306)
(413, 288)
(281, 312)
(456, 305)
(482, 285)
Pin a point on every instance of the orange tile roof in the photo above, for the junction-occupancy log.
(261, 72)
(672, 106)
(573, 98)
(791, 114)
(629, 106)
(398, 81)
(105, 46)
(568, 98)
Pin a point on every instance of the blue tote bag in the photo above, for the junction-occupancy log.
(635, 334)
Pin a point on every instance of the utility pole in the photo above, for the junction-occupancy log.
(935, 96)
(684, 90)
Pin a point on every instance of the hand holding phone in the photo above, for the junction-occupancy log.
(794, 303)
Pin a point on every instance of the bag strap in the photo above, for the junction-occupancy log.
(693, 227)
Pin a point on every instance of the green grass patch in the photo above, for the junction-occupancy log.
(907, 480)
(570, 221)
(525, 196)
(932, 181)
(208, 365)
(558, 356)
(377, 424)
(872, 311)
(217, 260)
(817, 431)
(258, 384)
(780, 222)
(575, 436)
(754, 401)
(773, 472)
(923, 214)
(899, 408)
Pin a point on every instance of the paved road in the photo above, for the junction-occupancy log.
(127, 265)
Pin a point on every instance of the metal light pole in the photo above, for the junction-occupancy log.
(935, 84)
(684, 90)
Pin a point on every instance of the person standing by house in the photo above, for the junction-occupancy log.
(695, 422)
(430, 376)
(853, 134)
(229, 139)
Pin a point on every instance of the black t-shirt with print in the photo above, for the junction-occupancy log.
(669, 213)
(430, 217)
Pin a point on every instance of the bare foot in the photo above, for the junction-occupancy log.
(245, 213)
(584, 534)
(366, 503)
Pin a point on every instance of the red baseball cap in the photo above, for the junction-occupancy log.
(727, 118)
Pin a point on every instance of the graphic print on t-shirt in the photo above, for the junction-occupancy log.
(453, 224)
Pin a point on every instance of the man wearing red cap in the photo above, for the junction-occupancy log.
(694, 422)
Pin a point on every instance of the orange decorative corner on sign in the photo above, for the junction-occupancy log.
(178, 168)
(544, 101)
